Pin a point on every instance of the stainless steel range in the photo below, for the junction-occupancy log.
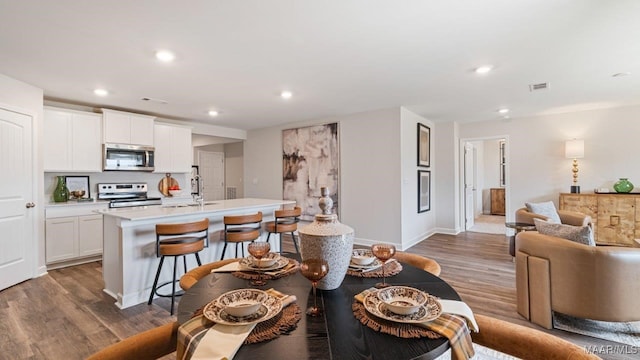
(126, 195)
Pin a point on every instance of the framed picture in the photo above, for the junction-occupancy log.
(78, 183)
(424, 144)
(311, 161)
(195, 180)
(424, 190)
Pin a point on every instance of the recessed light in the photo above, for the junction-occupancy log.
(213, 113)
(101, 92)
(286, 94)
(503, 111)
(621, 74)
(483, 69)
(165, 56)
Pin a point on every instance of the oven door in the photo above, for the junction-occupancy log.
(125, 157)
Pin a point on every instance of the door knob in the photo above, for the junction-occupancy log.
(30, 205)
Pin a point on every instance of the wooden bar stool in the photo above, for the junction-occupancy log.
(286, 221)
(184, 239)
(241, 228)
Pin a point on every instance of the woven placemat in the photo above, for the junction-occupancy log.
(390, 269)
(401, 330)
(290, 269)
(285, 322)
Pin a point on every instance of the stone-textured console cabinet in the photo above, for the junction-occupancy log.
(616, 217)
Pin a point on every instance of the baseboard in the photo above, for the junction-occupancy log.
(73, 262)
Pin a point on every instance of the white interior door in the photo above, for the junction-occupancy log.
(17, 248)
(469, 185)
(211, 166)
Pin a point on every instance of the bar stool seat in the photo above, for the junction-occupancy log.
(239, 229)
(178, 240)
(286, 221)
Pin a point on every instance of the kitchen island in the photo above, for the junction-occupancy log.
(129, 260)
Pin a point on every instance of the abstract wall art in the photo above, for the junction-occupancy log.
(310, 161)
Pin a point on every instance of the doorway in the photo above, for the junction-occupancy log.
(211, 167)
(17, 217)
(484, 184)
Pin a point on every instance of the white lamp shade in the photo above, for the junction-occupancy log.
(574, 149)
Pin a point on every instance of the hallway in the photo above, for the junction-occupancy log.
(489, 224)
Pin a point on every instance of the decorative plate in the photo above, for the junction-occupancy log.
(247, 264)
(375, 264)
(430, 310)
(214, 311)
(270, 259)
(364, 255)
(402, 300)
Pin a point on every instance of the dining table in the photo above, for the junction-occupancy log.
(336, 334)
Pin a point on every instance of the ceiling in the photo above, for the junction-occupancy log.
(337, 57)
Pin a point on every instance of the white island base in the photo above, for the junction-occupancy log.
(129, 260)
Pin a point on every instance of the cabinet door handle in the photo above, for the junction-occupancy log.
(29, 205)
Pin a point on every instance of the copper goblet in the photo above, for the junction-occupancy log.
(314, 270)
(258, 250)
(383, 252)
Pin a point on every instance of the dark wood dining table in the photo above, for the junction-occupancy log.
(335, 335)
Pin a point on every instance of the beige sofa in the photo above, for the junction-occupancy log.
(592, 282)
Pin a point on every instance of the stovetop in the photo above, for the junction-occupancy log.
(126, 195)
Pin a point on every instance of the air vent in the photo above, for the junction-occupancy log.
(159, 101)
(540, 86)
(231, 192)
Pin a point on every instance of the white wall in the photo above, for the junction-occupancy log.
(537, 169)
(27, 99)
(478, 201)
(447, 179)
(370, 164)
(234, 167)
(415, 226)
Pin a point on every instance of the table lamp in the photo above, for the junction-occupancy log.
(574, 149)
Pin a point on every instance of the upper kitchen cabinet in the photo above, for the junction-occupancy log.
(72, 140)
(127, 128)
(173, 148)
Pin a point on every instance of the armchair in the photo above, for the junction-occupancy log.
(523, 215)
(591, 282)
(574, 218)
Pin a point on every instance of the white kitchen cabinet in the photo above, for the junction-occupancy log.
(174, 152)
(72, 141)
(127, 128)
(73, 234)
(89, 235)
(61, 239)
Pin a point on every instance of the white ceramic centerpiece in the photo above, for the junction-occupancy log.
(328, 239)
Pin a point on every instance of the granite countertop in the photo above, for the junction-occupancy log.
(161, 211)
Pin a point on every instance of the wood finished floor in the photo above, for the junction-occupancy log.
(66, 315)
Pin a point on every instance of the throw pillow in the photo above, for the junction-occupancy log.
(579, 234)
(547, 209)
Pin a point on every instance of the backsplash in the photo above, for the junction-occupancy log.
(152, 179)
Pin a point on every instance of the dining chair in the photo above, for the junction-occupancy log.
(178, 240)
(418, 261)
(286, 221)
(523, 342)
(192, 276)
(239, 229)
(147, 345)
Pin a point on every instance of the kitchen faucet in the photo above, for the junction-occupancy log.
(199, 197)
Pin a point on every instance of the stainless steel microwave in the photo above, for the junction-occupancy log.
(126, 157)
